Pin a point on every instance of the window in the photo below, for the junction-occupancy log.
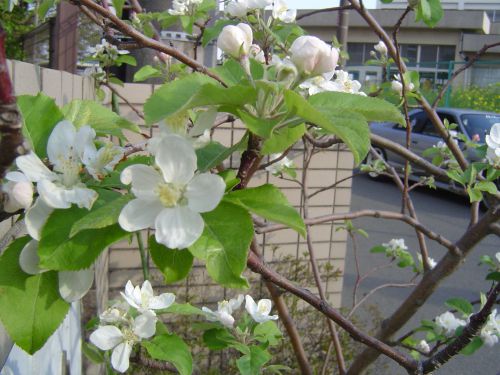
(428, 56)
(446, 53)
(410, 52)
(356, 53)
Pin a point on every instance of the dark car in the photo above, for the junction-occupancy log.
(474, 124)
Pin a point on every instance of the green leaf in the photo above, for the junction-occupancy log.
(92, 353)
(224, 244)
(220, 338)
(173, 264)
(461, 305)
(487, 186)
(102, 119)
(474, 345)
(173, 349)
(102, 216)
(118, 5)
(40, 115)
(405, 259)
(30, 306)
(231, 72)
(230, 178)
(429, 11)
(126, 59)
(263, 127)
(183, 309)
(172, 97)
(211, 155)
(493, 276)
(270, 203)
(59, 251)
(44, 7)
(350, 126)
(251, 364)
(146, 72)
(282, 139)
(267, 332)
(475, 195)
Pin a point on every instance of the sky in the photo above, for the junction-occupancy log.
(316, 4)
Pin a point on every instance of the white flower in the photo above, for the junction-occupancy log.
(320, 83)
(259, 311)
(312, 56)
(19, 190)
(238, 8)
(106, 51)
(73, 285)
(236, 40)
(281, 164)
(143, 298)
(282, 13)
(100, 162)
(398, 86)
(396, 244)
(257, 53)
(170, 201)
(194, 136)
(224, 311)
(490, 333)
(381, 48)
(423, 346)
(497, 255)
(122, 341)
(285, 68)
(113, 315)
(493, 143)
(449, 323)
(432, 262)
(62, 187)
(342, 83)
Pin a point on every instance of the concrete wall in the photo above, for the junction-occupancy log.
(62, 352)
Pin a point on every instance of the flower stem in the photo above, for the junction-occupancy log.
(144, 258)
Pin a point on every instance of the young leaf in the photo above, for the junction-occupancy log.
(40, 115)
(183, 309)
(461, 305)
(267, 332)
(474, 345)
(213, 32)
(147, 71)
(270, 203)
(251, 364)
(118, 5)
(211, 155)
(224, 244)
(282, 139)
(30, 306)
(173, 264)
(173, 349)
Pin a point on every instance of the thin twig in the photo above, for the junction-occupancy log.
(324, 10)
(117, 93)
(334, 184)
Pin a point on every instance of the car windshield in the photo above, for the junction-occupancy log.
(478, 125)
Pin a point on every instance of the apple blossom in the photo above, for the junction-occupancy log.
(106, 52)
(381, 48)
(171, 199)
(121, 341)
(73, 285)
(282, 13)
(396, 244)
(224, 311)
(493, 143)
(285, 69)
(237, 8)
(183, 7)
(312, 56)
(449, 323)
(259, 311)
(143, 298)
(423, 346)
(490, 333)
(236, 40)
(278, 166)
(100, 162)
(19, 192)
(197, 136)
(62, 187)
(398, 86)
(257, 53)
(343, 83)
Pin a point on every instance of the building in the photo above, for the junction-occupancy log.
(434, 52)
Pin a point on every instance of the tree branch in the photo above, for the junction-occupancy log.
(324, 10)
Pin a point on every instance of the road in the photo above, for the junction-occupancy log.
(444, 213)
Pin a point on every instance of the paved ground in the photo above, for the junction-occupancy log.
(443, 212)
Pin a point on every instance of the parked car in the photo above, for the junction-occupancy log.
(474, 124)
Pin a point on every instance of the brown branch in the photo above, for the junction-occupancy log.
(325, 10)
(471, 330)
(323, 142)
(390, 215)
(146, 41)
(425, 288)
(257, 266)
(334, 184)
(457, 72)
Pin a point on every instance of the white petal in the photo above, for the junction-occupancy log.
(209, 314)
(29, 259)
(73, 285)
(139, 214)
(131, 301)
(145, 325)
(33, 168)
(54, 195)
(147, 289)
(235, 303)
(264, 306)
(204, 192)
(176, 159)
(36, 218)
(16, 176)
(61, 143)
(250, 305)
(162, 301)
(120, 357)
(19, 192)
(106, 337)
(81, 196)
(178, 227)
(144, 180)
(226, 319)
(84, 140)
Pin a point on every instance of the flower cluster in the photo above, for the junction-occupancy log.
(69, 151)
(281, 165)
(171, 197)
(394, 245)
(341, 83)
(106, 52)
(125, 324)
(493, 143)
(184, 7)
(224, 314)
(398, 86)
